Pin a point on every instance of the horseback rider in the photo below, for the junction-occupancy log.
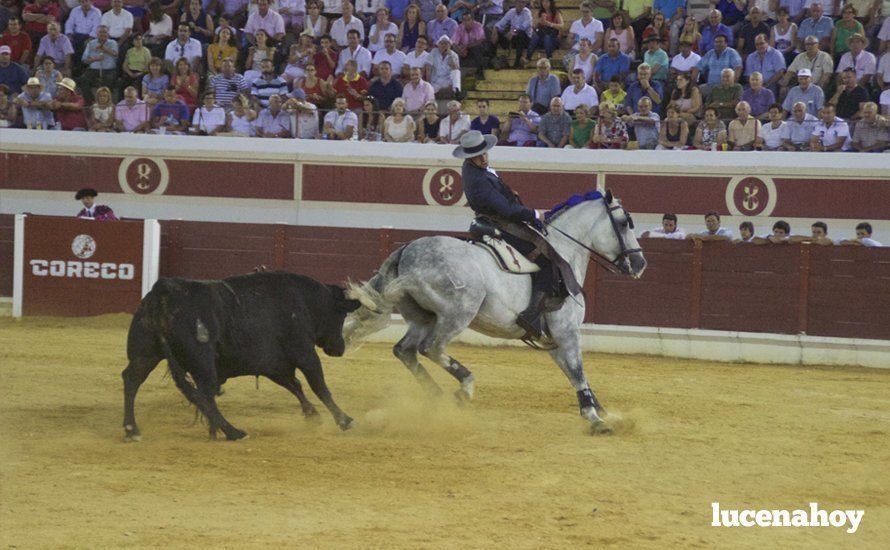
(492, 200)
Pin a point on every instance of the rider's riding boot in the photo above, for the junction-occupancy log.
(530, 319)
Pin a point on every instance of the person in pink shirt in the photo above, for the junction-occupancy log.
(417, 92)
(467, 39)
(131, 114)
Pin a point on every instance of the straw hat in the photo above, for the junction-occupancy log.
(858, 36)
(68, 84)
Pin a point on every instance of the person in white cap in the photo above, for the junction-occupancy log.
(443, 69)
(805, 92)
(500, 210)
(36, 106)
(12, 75)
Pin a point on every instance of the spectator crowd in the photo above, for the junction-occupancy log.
(777, 75)
(780, 233)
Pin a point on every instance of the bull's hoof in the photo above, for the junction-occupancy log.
(131, 434)
(235, 434)
(346, 424)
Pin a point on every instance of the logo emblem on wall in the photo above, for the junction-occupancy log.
(143, 176)
(83, 246)
(751, 196)
(443, 187)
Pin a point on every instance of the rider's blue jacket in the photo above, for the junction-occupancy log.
(488, 195)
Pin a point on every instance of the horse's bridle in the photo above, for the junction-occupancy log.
(618, 265)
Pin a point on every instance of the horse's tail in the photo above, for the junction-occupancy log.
(378, 297)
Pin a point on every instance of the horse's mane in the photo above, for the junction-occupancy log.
(574, 200)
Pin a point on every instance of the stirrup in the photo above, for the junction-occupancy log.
(534, 338)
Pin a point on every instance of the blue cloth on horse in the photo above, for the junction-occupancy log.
(572, 201)
(488, 195)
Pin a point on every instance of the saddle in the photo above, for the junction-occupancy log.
(487, 236)
(505, 256)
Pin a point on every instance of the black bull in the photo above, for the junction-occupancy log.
(263, 324)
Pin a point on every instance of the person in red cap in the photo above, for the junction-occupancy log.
(91, 210)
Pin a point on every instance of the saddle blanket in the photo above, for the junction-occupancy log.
(507, 257)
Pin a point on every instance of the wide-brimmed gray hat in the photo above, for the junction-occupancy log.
(473, 144)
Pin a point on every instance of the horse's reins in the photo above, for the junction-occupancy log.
(611, 265)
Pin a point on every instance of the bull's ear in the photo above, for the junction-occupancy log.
(608, 196)
(341, 303)
(348, 306)
(338, 292)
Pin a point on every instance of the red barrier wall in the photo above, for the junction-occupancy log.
(76, 267)
(7, 248)
(825, 291)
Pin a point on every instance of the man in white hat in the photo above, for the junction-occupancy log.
(36, 106)
(805, 92)
(501, 210)
(861, 60)
(443, 69)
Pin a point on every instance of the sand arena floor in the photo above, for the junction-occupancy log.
(514, 469)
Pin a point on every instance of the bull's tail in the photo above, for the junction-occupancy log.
(181, 378)
(378, 297)
(159, 310)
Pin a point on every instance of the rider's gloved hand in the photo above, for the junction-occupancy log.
(538, 224)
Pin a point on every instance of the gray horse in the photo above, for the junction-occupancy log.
(443, 285)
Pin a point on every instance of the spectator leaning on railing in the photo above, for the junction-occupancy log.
(863, 237)
(713, 230)
(746, 232)
(668, 229)
(68, 106)
(35, 105)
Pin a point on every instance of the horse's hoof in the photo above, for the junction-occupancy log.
(600, 428)
(312, 416)
(346, 424)
(462, 397)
